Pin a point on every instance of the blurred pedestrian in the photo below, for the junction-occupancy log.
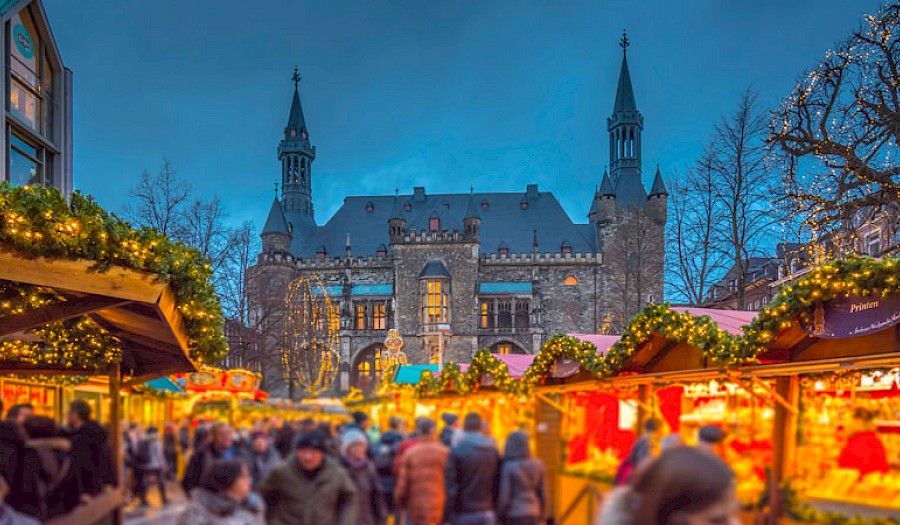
(522, 498)
(309, 488)
(284, 439)
(710, 438)
(371, 503)
(223, 497)
(451, 424)
(684, 486)
(150, 466)
(220, 446)
(471, 476)
(92, 465)
(420, 477)
(47, 486)
(263, 457)
(170, 451)
(12, 446)
(385, 456)
(641, 452)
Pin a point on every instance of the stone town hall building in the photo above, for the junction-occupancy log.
(503, 271)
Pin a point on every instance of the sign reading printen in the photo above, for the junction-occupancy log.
(852, 316)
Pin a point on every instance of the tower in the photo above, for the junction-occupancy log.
(472, 219)
(657, 200)
(276, 234)
(296, 156)
(625, 126)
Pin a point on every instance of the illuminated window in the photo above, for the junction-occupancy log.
(435, 301)
(377, 363)
(570, 281)
(360, 316)
(503, 348)
(487, 314)
(435, 357)
(434, 224)
(364, 368)
(379, 316)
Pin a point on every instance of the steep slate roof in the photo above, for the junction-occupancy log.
(659, 186)
(276, 223)
(504, 220)
(629, 190)
(295, 119)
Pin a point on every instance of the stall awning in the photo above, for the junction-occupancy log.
(164, 384)
(411, 374)
(602, 342)
(729, 320)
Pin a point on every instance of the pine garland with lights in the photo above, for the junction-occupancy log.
(37, 221)
(486, 363)
(561, 346)
(855, 275)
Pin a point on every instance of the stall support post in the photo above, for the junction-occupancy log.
(784, 441)
(645, 395)
(115, 431)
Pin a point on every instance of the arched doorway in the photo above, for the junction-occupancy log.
(506, 347)
(365, 369)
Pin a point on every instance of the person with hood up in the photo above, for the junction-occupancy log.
(150, 466)
(371, 504)
(522, 499)
(309, 488)
(683, 486)
(420, 477)
(263, 457)
(224, 497)
(471, 476)
(451, 424)
(92, 465)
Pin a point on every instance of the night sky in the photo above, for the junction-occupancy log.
(442, 94)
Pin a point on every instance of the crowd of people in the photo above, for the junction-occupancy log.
(47, 470)
(356, 476)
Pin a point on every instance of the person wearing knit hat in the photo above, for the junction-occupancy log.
(310, 487)
(263, 456)
(451, 423)
(371, 502)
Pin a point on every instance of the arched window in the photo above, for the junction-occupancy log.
(504, 314)
(522, 319)
(570, 280)
(434, 224)
(434, 293)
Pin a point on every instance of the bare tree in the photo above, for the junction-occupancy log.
(842, 125)
(743, 184)
(202, 225)
(311, 325)
(635, 261)
(696, 258)
(158, 200)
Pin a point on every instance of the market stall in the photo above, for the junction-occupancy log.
(831, 343)
(230, 396)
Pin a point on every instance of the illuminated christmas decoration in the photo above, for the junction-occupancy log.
(309, 354)
(394, 356)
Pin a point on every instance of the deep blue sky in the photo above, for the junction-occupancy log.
(441, 94)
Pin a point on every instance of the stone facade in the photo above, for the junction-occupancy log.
(458, 272)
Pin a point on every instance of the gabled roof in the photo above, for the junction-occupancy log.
(624, 93)
(503, 219)
(435, 268)
(606, 187)
(659, 186)
(276, 223)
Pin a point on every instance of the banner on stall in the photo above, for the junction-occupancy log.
(852, 316)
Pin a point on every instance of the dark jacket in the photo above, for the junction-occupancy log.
(12, 446)
(207, 508)
(371, 507)
(295, 497)
(447, 436)
(47, 483)
(284, 440)
(385, 456)
(201, 459)
(523, 481)
(262, 464)
(92, 465)
(472, 475)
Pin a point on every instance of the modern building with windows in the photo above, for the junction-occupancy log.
(458, 272)
(37, 89)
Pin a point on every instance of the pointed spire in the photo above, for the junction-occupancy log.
(624, 93)
(606, 187)
(659, 186)
(276, 223)
(397, 209)
(296, 122)
(472, 208)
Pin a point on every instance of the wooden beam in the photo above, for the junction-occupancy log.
(59, 311)
(80, 276)
(131, 323)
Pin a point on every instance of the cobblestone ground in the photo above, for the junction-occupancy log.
(155, 513)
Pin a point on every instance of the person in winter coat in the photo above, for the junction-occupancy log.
(420, 479)
(224, 497)
(371, 503)
(150, 466)
(12, 445)
(451, 425)
(92, 465)
(220, 446)
(263, 457)
(309, 488)
(170, 451)
(684, 486)
(46, 484)
(522, 499)
(471, 476)
(385, 457)
(8, 515)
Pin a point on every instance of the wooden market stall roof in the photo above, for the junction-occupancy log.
(135, 307)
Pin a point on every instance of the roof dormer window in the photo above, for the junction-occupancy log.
(370, 207)
(566, 247)
(523, 204)
(407, 206)
(381, 251)
(503, 249)
(434, 224)
(321, 254)
(485, 205)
